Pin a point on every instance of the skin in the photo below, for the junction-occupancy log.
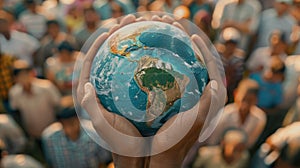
(174, 156)
(71, 128)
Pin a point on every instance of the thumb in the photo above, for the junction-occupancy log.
(90, 101)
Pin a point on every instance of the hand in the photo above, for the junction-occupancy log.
(105, 123)
(214, 92)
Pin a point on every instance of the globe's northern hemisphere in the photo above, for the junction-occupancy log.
(148, 72)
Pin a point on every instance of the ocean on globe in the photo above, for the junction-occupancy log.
(148, 72)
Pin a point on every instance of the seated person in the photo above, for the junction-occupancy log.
(67, 144)
(243, 113)
(231, 153)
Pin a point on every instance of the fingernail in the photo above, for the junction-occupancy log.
(214, 85)
(87, 87)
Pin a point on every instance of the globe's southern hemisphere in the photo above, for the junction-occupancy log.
(148, 72)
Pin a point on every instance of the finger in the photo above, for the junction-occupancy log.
(89, 103)
(178, 25)
(168, 19)
(114, 28)
(210, 60)
(115, 130)
(127, 20)
(155, 18)
(87, 62)
(140, 19)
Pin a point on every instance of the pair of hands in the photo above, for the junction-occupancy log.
(123, 137)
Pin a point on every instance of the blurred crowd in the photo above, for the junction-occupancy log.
(258, 42)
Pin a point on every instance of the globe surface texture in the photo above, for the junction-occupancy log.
(148, 72)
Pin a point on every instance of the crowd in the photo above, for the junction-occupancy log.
(258, 42)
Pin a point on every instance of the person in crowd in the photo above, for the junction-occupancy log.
(270, 83)
(233, 66)
(56, 12)
(259, 60)
(6, 79)
(243, 17)
(8, 160)
(231, 153)
(50, 42)
(34, 23)
(92, 22)
(107, 9)
(12, 135)
(59, 68)
(270, 95)
(17, 44)
(203, 19)
(197, 5)
(35, 98)
(243, 113)
(277, 18)
(67, 143)
(280, 150)
(73, 19)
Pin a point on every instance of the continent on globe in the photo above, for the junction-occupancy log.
(162, 84)
(148, 72)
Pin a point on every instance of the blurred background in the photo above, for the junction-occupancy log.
(257, 40)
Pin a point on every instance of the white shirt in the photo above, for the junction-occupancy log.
(35, 24)
(253, 125)
(270, 22)
(37, 109)
(20, 45)
(260, 58)
(241, 13)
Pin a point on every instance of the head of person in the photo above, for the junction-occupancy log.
(68, 118)
(233, 144)
(23, 73)
(4, 26)
(65, 50)
(296, 5)
(278, 42)
(231, 45)
(31, 5)
(116, 9)
(246, 95)
(8, 14)
(182, 11)
(276, 70)
(230, 37)
(289, 155)
(282, 6)
(53, 28)
(202, 19)
(91, 17)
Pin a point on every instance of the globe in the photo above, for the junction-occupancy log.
(148, 72)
